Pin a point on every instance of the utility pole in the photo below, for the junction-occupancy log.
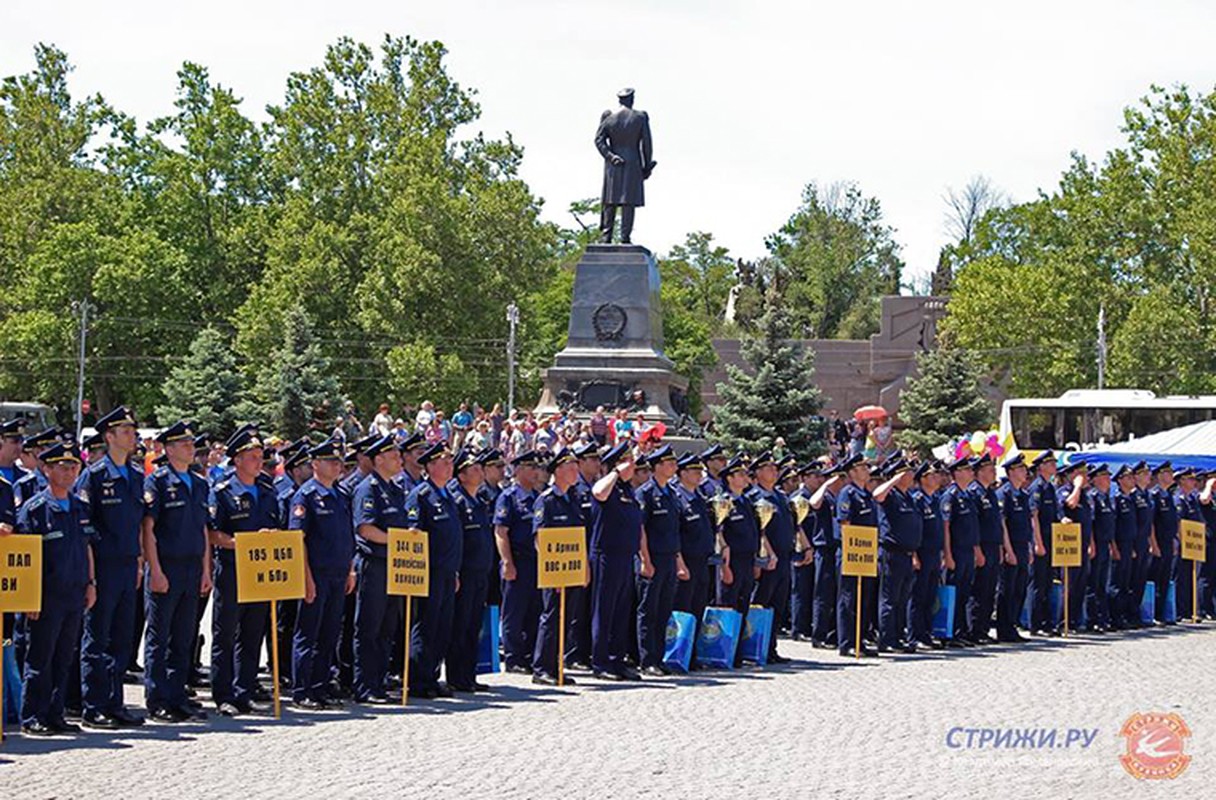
(83, 307)
(513, 321)
(1101, 347)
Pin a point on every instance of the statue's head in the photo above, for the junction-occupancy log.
(626, 97)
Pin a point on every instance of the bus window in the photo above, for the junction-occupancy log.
(1034, 428)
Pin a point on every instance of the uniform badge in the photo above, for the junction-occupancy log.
(149, 497)
(298, 511)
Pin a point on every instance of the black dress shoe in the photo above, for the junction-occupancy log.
(424, 693)
(194, 714)
(37, 728)
(907, 647)
(777, 658)
(63, 726)
(953, 644)
(310, 704)
(100, 720)
(170, 716)
(544, 679)
(654, 671)
(443, 690)
(73, 712)
(480, 687)
(126, 719)
(260, 695)
(228, 709)
(607, 676)
(1011, 638)
(375, 700)
(519, 669)
(629, 674)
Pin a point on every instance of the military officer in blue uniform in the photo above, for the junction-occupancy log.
(900, 526)
(1207, 570)
(660, 555)
(854, 506)
(322, 511)
(1097, 600)
(556, 507)
(113, 486)
(1145, 548)
(476, 562)
(982, 604)
(714, 459)
(297, 471)
(961, 550)
(61, 517)
(696, 539)
(430, 507)
(493, 467)
(802, 591)
(616, 531)
(578, 598)
(11, 439)
(34, 481)
(772, 589)
(1124, 606)
(825, 543)
(928, 578)
(1186, 500)
(412, 473)
(378, 504)
(1076, 505)
(513, 536)
(1016, 551)
(1165, 530)
(243, 502)
(363, 463)
(177, 572)
(1045, 512)
(741, 535)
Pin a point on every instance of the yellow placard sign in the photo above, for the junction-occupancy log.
(1193, 537)
(269, 566)
(562, 557)
(859, 553)
(21, 573)
(409, 562)
(1066, 544)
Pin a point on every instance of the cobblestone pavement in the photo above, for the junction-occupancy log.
(820, 727)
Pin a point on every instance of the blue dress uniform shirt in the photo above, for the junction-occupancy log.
(616, 523)
(1044, 504)
(1165, 519)
(237, 508)
(28, 485)
(1126, 522)
(1015, 507)
(1083, 513)
(855, 506)
(66, 534)
(741, 529)
(433, 510)
(710, 487)
(582, 492)
(406, 482)
(901, 523)
(1104, 516)
(478, 525)
(377, 502)
(514, 511)
(932, 536)
(177, 505)
(660, 516)
(325, 517)
(116, 508)
(988, 512)
(554, 509)
(696, 523)
(780, 530)
(1144, 514)
(825, 534)
(350, 484)
(8, 506)
(958, 508)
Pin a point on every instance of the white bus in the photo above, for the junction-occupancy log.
(1084, 418)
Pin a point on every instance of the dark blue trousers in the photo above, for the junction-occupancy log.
(169, 638)
(237, 631)
(738, 594)
(1161, 573)
(1078, 583)
(692, 595)
(1042, 577)
(773, 591)
(467, 617)
(51, 641)
(802, 597)
(611, 581)
(924, 596)
(656, 600)
(521, 603)
(578, 625)
(983, 591)
(1184, 576)
(962, 578)
(431, 630)
(823, 616)
(849, 605)
(378, 622)
(1124, 604)
(315, 638)
(1011, 591)
(895, 589)
(1097, 601)
(108, 630)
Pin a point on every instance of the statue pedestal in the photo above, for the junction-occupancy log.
(615, 341)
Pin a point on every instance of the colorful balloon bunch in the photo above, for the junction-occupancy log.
(982, 442)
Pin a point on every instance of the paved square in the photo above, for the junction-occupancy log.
(821, 727)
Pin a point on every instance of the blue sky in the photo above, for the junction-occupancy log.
(749, 101)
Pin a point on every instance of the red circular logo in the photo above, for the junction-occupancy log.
(1155, 744)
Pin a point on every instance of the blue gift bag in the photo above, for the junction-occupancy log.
(681, 630)
(487, 643)
(943, 612)
(757, 635)
(718, 638)
(1171, 603)
(1148, 603)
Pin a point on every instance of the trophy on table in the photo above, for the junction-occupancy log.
(722, 504)
(801, 508)
(764, 512)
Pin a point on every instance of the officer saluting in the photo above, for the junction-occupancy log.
(61, 517)
(430, 507)
(899, 535)
(616, 531)
(178, 572)
(321, 510)
(557, 507)
(113, 485)
(244, 501)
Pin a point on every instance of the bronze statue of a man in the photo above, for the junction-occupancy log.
(623, 139)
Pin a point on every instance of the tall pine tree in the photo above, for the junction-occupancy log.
(944, 401)
(775, 396)
(297, 382)
(205, 387)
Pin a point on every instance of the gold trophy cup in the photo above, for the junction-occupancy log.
(764, 511)
(722, 504)
(801, 508)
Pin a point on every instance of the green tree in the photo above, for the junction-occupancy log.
(296, 386)
(946, 399)
(205, 387)
(775, 396)
(417, 372)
